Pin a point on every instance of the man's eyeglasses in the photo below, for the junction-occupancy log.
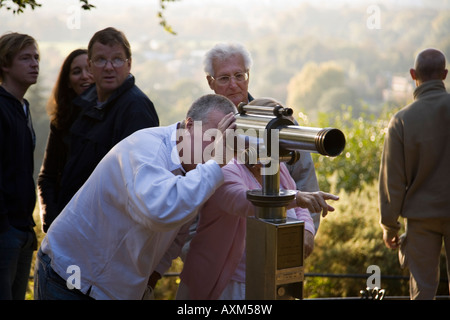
(116, 62)
(238, 77)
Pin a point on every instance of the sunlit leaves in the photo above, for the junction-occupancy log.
(162, 19)
(360, 161)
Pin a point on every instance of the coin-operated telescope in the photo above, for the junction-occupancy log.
(274, 257)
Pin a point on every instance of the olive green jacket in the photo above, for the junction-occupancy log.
(414, 177)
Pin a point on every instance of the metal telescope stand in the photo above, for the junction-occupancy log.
(275, 243)
(274, 259)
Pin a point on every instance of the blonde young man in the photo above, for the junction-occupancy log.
(19, 69)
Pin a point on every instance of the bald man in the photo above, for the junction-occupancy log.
(415, 176)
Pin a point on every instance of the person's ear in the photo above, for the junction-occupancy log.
(4, 69)
(412, 72)
(188, 123)
(210, 82)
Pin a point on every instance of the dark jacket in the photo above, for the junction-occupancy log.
(97, 129)
(17, 143)
(415, 171)
(49, 179)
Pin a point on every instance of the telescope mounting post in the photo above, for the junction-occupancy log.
(274, 266)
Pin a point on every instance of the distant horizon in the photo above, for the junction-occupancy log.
(60, 11)
(49, 6)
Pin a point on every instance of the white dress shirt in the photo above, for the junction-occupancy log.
(127, 216)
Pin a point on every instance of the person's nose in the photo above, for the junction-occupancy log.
(85, 74)
(108, 65)
(34, 62)
(233, 82)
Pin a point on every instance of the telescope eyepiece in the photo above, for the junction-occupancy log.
(279, 111)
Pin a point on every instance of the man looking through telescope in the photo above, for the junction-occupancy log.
(214, 267)
(128, 221)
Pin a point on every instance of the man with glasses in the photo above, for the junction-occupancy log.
(227, 67)
(112, 109)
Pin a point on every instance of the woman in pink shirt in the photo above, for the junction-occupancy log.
(214, 267)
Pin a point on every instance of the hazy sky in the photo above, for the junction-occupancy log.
(63, 25)
(61, 13)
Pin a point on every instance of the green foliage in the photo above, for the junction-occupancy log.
(348, 241)
(307, 87)
(166, 288)
(359, 163)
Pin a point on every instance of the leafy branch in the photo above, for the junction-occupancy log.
(86, 5)
(18, 6)
(162, 19)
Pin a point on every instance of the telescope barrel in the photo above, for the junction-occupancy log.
(325, 141)
(264, 134)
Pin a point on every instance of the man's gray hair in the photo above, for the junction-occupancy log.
(201, 107)
(222, 51)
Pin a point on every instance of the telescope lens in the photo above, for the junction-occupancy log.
(332, 142)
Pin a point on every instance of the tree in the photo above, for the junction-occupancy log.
(348, 241)
(441, 25)
(359, 163)
(332, 99)
(307, 87)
